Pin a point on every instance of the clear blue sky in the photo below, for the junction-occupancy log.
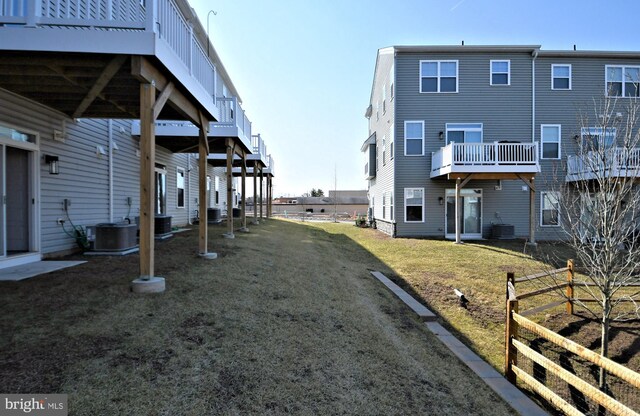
(304, 67)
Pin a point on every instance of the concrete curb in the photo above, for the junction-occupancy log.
(507, 391)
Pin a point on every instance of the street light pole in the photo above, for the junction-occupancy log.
(208, 39)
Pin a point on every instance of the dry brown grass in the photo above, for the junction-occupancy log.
(287, 320)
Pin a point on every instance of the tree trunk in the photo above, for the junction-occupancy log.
(604, 349)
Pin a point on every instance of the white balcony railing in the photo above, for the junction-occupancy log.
(258, 146)
(609, 163)
(485, 158)
(232, 115)
(233, 123)
(169, 20)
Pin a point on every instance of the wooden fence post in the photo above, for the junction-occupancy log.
(511, 330)
(570, 287)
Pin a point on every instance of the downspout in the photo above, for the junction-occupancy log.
(533, 95)
(189, 189)
(110, 137)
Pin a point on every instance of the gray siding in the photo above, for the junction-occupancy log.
(564, 107)
(381, 124)
(84, 173)
(505, 112)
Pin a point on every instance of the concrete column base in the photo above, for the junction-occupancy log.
(208, 256)
(530, 244)
(228, 235)
(244, 230)
(152, 285)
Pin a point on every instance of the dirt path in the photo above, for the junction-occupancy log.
(288, 320)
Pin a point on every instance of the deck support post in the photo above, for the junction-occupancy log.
(458, 212)
(203, 203)
(261, 186)
(147, 282)
(243, 204)
(532, 214)
(255, 193)
(268, 197)
(230, 153)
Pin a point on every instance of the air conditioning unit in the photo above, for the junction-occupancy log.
(503, 231)
(114, 237)
(162, 225)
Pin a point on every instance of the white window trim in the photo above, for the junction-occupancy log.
(508, 61)
(606, 81)
(449, 127)
(438, 76)
(384, 150)
(405, 205)
(542, 195)
(570, 77)
(392, 134)
(391, 207)
(559, 126)
(384, 99)
(405, 137)
(184, 191)
(600, 133)
(384, 205)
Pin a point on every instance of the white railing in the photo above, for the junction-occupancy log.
(258, 146)
(612, 162)
(270, 165)
(485, 155)
(169, 19)
(116, 14)
(232, 114)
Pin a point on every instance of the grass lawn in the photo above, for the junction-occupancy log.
(431, 269)
(287, 320)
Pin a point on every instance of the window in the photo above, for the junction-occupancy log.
(414, 204)
(392, 92)
(384, 206)
(594, 139)
(161, 189)
(550, 209)
(414, 138)
(378, 110)
(216, 187)
(377, 156)
(384, 150)
(500, 73)
(391, 205)
(391, 81)
(208, 191)
(438, 76)
(550, 138)
(180, 185)
(384, 99)
(19, 136)
(560, 77)
(464, 132)
(622, 81)
(391, 135)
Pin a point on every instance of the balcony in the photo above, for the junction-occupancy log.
(233, 123)
(51, 43)
(258, 150)
(499, 159)
(617, 162)
(369, 150)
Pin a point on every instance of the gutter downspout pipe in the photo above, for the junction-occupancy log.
(533, 95)
(110, 137)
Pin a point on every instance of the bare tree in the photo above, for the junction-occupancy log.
(597, 205)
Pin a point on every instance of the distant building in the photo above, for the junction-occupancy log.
(353, 203)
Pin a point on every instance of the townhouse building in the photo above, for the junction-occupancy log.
(111, 111)
(468, 142)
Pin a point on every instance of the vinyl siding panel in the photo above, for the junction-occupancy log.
(505, 112)
(84, 173)
(382, 184)
(564, 107)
